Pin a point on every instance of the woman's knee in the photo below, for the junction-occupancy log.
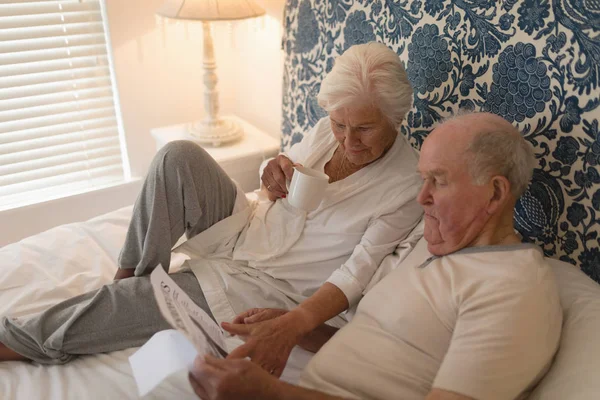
(181, 153)
(182, 150)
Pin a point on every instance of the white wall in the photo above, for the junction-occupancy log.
(159, 79)
(159, 70)
(259, 83)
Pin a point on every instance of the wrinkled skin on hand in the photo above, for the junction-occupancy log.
(231, 379)
(269, 340)
(255, 315)
(274, 177)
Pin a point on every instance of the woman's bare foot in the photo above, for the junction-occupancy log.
(124, 273)
(7, 354)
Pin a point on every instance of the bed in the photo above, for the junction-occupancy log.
(63, 262)
(535, 63)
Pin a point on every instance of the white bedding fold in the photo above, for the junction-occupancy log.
(55, 265)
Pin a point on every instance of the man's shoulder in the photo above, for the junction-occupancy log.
(520, 261)
(508, 276)
(521, 269)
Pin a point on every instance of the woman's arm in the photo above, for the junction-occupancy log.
(345, 286)
(380, 239)
(312, 341)
(275, 171)
(269, 343)
(326, 303)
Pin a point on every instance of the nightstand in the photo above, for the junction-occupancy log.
(240, 159)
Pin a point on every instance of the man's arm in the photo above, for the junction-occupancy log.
(291, 392)
(213, 378)
(440, 394)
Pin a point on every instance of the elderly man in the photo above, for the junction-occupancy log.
(471, 313)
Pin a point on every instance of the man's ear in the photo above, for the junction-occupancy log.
(500, 193)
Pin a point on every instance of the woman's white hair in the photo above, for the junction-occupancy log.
(368, 74)
(501, 151)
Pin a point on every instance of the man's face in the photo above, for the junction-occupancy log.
(363, 133)
(455, 208)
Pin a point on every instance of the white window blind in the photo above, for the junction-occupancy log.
(59, 133)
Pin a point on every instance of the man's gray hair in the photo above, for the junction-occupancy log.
(372, 74)
(504, 152)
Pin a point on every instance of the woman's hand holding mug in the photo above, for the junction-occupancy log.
(306, 187)
(275, 175)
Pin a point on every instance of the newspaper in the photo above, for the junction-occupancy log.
(185, 316)
(170, 352)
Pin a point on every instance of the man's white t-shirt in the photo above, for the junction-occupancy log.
(482, 322)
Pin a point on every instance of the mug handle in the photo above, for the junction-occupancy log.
(288, 182)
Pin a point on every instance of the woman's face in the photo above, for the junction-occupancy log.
(363, 133)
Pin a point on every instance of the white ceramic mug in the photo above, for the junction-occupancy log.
(307, 188)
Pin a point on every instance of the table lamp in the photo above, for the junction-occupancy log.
(213, 130)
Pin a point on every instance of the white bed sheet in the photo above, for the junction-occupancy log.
(55, 265)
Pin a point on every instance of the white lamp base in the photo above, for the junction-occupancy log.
(223, 131)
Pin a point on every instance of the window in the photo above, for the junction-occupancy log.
(59, 130)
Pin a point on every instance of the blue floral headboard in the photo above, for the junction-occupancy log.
(534, 62)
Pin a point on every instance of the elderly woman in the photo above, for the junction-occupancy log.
(261, 253)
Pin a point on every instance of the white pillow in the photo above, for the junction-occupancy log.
(574, 372)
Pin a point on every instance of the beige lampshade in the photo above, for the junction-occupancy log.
(210, 10)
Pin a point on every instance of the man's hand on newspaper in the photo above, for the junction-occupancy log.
(268, 343)
(214, 379)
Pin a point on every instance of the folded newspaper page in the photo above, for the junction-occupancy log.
(167, 355)
(170, 352)
(184, 315)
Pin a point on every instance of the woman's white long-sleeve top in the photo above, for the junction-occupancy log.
(269, 254)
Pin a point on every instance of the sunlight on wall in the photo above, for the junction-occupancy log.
(158, 64)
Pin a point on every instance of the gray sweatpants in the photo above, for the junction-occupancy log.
(185, 191)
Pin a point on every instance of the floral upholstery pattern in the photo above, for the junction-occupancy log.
(534, 62)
